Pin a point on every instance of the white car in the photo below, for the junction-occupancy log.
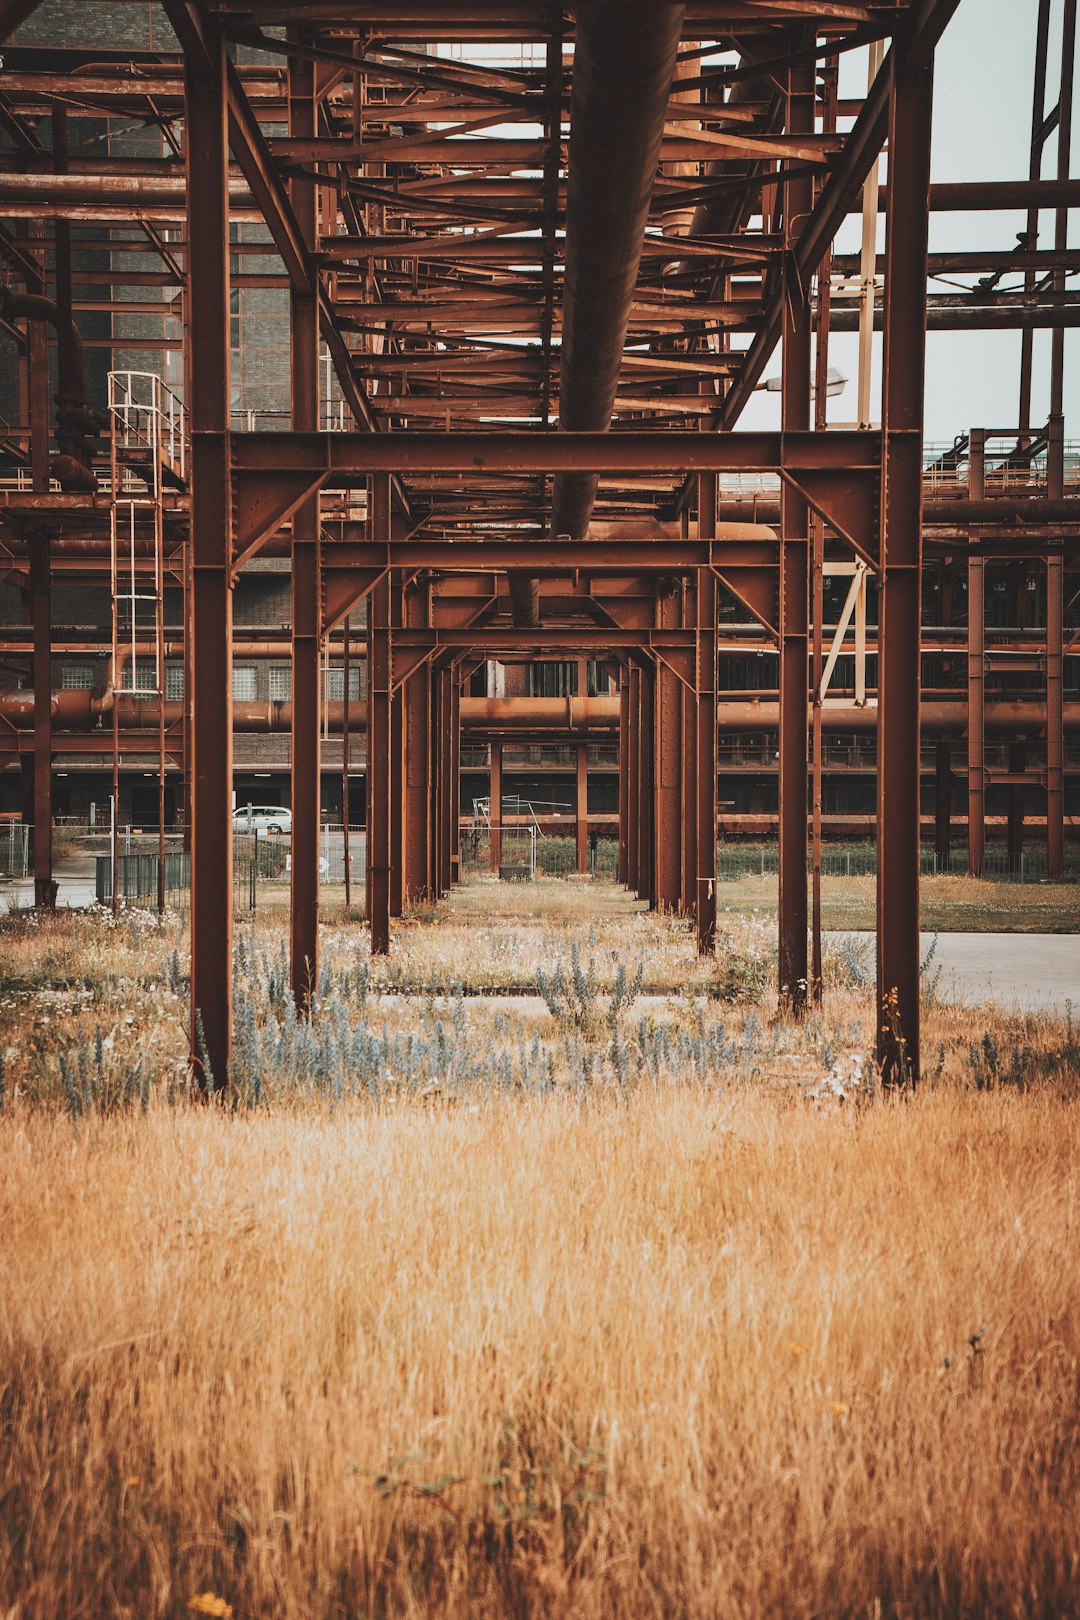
(254, 818)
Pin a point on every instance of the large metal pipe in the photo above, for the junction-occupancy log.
(82, 711)
(624, 62)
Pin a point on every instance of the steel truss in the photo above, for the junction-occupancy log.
(427, 209)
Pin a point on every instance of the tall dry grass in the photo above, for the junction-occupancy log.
(677, 1352)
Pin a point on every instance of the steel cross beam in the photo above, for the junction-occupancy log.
(329, 458)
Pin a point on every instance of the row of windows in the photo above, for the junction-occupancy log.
(245, 680)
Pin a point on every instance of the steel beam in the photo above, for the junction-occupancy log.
(306, 583)
(705, 808)
(581, 808)
(667, 774)
(900, 577)
(623, 868)
(419, 878)
(495, 807)
(795, 586)
(41, 617)
(380, 682)
(1055, 736)
(976, 676)
(210, 625)
(331, 457)
(943, 804)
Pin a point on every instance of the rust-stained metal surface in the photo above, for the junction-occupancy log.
(537, 263)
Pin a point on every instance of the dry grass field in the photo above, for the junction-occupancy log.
(617, 1300)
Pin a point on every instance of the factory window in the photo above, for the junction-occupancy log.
(145, 670)
(336, 684)
(553, 680)
(244, 683)
(78, 677)
(281, 682)
(174, 682)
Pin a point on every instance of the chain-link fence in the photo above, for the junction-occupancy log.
(514, 848)
(860, 860)
(14, 849)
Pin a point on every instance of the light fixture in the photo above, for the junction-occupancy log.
(835, 383)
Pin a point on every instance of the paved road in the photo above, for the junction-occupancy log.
(1033, 972)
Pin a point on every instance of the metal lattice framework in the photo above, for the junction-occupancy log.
(549, 253)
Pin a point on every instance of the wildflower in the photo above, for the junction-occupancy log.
(130, 1484)
(800, 1349)
(839, 1408)
(207, 1603)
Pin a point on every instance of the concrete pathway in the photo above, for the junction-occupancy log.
(1031, 972)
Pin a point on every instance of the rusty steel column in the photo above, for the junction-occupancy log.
(1055, 735)
(416, 696)
(443, 814)
(943, 804)
(688, 857)
(705, 896)
(306, 589)
(633, 772)
(495, 807)
(1017, 799)
(794, 583)
(380, 674)
(623, 870)
(581, 808)
(210, 626)
(647, 887)
(41, 617)
(379, 749)
(667, 774)
(346, 672)
(900, 577)
(976, 704)
(455, 775)
(397, 766)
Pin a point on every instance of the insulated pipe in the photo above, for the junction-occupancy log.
(81, 711)
(624, 62)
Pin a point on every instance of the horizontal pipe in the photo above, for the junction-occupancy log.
(75, 711)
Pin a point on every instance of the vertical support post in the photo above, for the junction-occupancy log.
(581, 806)
(646, 884)
(1055, 736)
(443, 794)
(943, 805)
(397, 767)
(976, 734)
(1061, 217)
(380, 672)
(41, 615)
(1038, 138)
(667, 774)
(623, 871)
(794, 582)
(210, 628)
(688, 732)
(419, 879)
(1017, 797)
(306, 589)
(495, 807)
(900, 577)
(455, 775)
(633, 774)
(346, 672)
(705, 681)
